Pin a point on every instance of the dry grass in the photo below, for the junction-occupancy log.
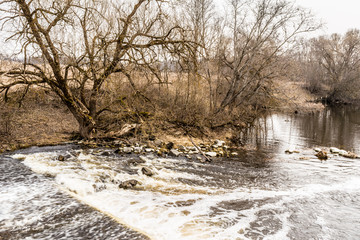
(35, 123)
(293, 96)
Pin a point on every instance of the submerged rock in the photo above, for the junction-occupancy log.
(146, 171)
(106, 154)
(129, 184)
(135, 161)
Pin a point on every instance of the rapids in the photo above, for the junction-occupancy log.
(261, 194)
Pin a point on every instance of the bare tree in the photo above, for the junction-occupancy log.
(79, 44)
(260, 32)
(335, 62)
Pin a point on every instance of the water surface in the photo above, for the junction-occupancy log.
(263, 194)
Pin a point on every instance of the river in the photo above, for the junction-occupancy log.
(263, 193)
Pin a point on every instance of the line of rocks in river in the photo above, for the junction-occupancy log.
(202, 152)
(323, 154)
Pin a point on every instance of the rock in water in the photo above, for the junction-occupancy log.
(350, 155)
(234, 154)
(218, 143)
(174, 153)
(146, 171)
(211, 154)
(129, 184)
(61, 158)
(322, 155)
(135, 162)
(334, 150)
(317, 149)
(128, 150)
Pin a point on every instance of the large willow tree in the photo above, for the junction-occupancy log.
(79, 44)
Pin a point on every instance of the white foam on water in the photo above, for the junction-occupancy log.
(164, 207)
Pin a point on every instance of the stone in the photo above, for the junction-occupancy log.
(149, 150)
(211, 154)
(182, 148)
(188, 156)
(61, 158)
(128, 150)
(158, 143)
(334, 150)
(192, 148)
(146, 171)
(105, 154)
(288, 151)
(118, 151)
(138, 149)
(193, 152)
(322, 155)
(218, 143)
(234, 154)
(317, 149)
(350, 155)
(342, 152)
(169, 145)
(152, 137)
(129, 184)
(174, 153)
(135, 162)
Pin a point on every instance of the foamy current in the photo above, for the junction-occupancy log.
(262, 194)
(283, 198)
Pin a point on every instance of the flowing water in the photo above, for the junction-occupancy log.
(261, 194)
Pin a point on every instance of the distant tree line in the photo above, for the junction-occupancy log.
(332, 66)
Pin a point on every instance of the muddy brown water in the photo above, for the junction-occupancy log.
(262, 194)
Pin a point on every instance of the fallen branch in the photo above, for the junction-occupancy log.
(199, 149)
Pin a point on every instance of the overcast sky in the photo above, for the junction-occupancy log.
(338, 15)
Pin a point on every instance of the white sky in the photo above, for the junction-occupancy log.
(338, 15)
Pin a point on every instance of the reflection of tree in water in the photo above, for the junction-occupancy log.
(332, 127)
(258, 134)
(337, 127)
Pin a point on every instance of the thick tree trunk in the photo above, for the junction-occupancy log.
(86, 129)
(86, 121)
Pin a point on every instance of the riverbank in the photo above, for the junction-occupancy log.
(43, 120)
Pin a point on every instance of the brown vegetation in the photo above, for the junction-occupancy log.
(331, 67)
(157, 63)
